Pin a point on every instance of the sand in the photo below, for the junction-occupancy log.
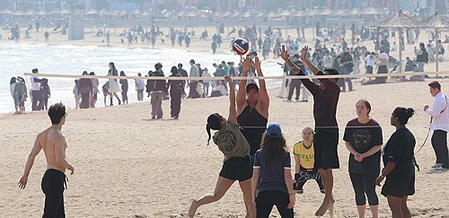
(127, 165)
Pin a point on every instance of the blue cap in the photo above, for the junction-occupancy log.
(274, 130)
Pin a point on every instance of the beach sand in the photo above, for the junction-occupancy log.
(127, 165)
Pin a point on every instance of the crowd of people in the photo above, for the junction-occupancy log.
(256, 154)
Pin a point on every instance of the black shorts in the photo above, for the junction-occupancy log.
(237, 168)
(326, 144)
(399, 187)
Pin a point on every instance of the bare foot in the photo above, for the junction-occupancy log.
(327, 204)
(193, 208)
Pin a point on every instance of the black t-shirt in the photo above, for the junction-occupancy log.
(363, 137)
(399, 149)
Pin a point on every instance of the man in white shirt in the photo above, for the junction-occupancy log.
(369, 63)
(440, 125)
(37, 98)
(194, 72)
(328, 60)
(140, 86)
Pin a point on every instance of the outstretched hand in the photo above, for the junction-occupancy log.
(284, 53)
(228, 79)
(304, 51)
(246, 64)
(256, 64)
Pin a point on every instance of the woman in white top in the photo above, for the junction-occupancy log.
(114, 86)
(206, 82)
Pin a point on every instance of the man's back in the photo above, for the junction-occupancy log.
(49, 139)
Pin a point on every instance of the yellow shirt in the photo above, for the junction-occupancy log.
(306, 155)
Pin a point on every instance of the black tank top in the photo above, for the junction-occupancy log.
(252, 126)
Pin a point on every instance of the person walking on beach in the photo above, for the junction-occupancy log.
(85, 88)
(140, 87)
(252, 106)
(94, 92)
(46, 93)
(46, 35)
(54, 145)
(114, 87)
(272, 177)
(176, 90)
(399, 166)
(12, 86)
(363, 138)
(157, 90)
(237, 165)
(439, 124)
(37, 102)
(20, 94)
(295, 83)
(77, 94)
(124, 83)
(326, 96)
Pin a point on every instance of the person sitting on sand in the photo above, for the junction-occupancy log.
(272, 178)
(236, 150)
(304, 153)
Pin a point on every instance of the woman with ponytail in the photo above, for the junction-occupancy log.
(237, 165)
(398, 158)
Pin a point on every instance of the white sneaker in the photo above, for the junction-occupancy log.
(437, 165)
(288, 101)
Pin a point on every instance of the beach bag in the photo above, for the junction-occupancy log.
(441, 58)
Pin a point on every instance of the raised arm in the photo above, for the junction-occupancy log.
(285, 56)
(307, 62)
(241, 95)
(31, 157)
(264, 100)
(232, 108)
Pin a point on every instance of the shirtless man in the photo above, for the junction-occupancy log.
(54, 145)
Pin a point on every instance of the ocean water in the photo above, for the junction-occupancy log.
(18, 58)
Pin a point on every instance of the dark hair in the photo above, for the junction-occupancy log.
(192, 61)
(122, 73)
(113, 65)
(56, 112)
(296, 56)
(403, 114)
(85, 73)
(213, 123)
(158, 66)
(421, 45)
(174, 70)
(332, 72)
(13, 80)
(273, 147)
(435, 85)
(92, 73)
(35, 70)
(366, 103)
(139, 74)
(180, 65)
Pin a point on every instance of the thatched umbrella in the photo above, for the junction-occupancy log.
(371, 11)
(400, 21)
(92, 12)
(437, 22)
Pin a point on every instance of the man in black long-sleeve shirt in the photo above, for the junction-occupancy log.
(326, 96)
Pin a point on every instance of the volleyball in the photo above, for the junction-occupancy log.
(240, 46)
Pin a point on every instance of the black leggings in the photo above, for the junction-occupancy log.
(53, 184)
(364, 184)
(267, 199)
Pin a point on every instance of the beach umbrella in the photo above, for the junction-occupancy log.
(325, 12)
(399, 21)
(285, 13)
(354, 11)
(19, 13)
(437, 22)
(371, 11)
